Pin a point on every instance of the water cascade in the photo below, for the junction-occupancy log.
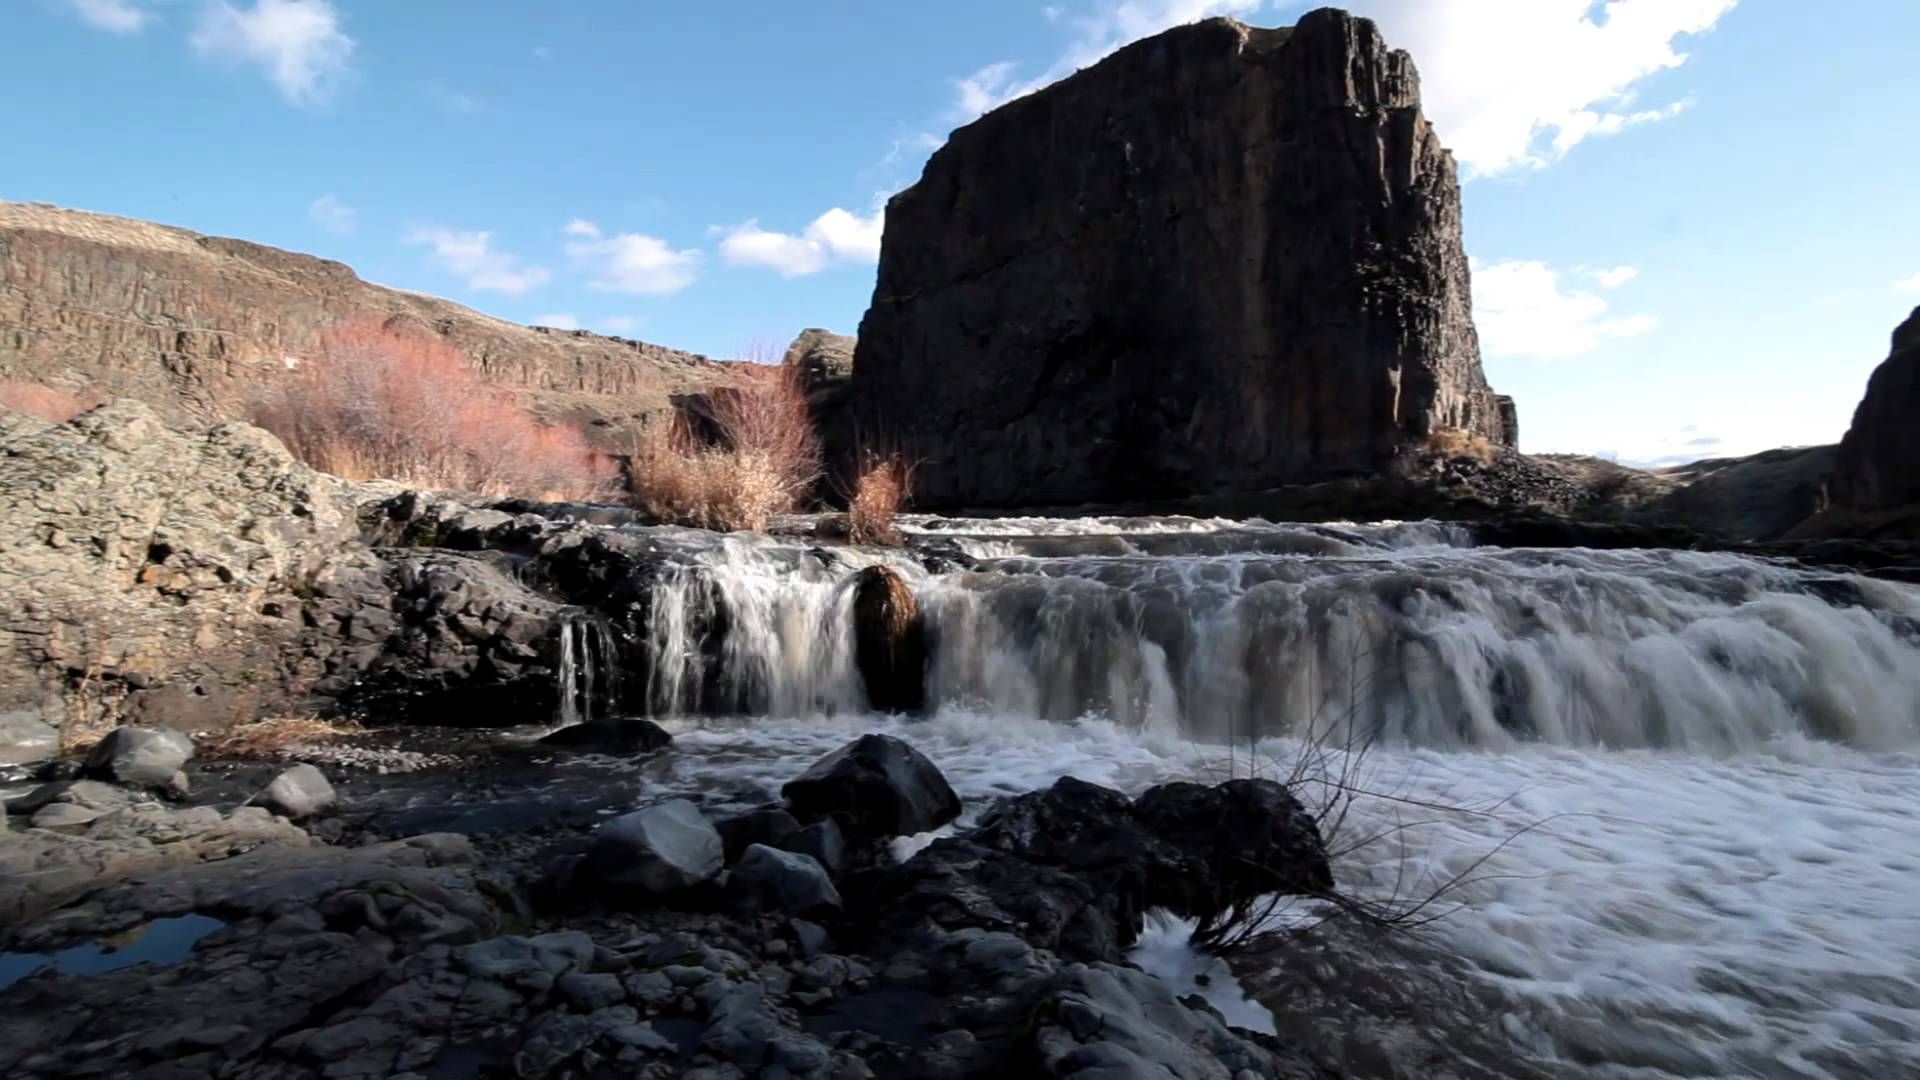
(588, 669)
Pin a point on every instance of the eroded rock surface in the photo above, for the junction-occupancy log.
(1221, 259)
(1875, 488)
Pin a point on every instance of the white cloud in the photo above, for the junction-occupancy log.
(835, 236)
(580, 227)
(1521, 310)
(1512, 84)
(1112, 24)
(471, 256)
(559, 320)
(331, 214)
(1911, 284)
(1509, 84)
(619, 324)
(1614, 278)
(634, 263)
(297, 43)
(113, 16)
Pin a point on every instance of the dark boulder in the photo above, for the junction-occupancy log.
(1228, 259)
(876, 786)
(1875, 490)
(768, 825)
(627, 736)
(1230, 843)
(782, 882)
(665, 848)
(890, 641)
(822, 840)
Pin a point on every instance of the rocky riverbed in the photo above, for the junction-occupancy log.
(538, 912)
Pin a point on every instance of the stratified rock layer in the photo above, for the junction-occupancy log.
(195, 325)
(1876, 476)
(1222, 259)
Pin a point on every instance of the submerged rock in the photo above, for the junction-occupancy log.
(664, 848)
(144, 757)
(890, 641)
(876, 786)
(628, 736)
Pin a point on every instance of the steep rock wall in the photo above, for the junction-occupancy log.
(1222, 259)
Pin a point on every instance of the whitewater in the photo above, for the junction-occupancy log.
(1670, 801)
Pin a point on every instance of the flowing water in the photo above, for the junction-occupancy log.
(1673, 798)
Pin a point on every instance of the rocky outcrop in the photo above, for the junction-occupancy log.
(1221, 259)
(1875, 488)
(195, 325)
(890, 640)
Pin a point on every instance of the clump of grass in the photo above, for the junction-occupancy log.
(49, 403)
(273, 737)
(383, 403)
(1458, 442)
(763, 462)
(884, 485)
(92, 708)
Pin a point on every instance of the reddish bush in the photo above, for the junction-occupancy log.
(882, 487)
(763, 463)
(383, 403)
(48, 403)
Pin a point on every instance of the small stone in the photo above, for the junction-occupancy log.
(768, 879)
(57, 815)
(822, 840)
(664, 848)
(589, 992)
(299, 792)
(145, 757)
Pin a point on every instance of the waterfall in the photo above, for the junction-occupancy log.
(588, 670)
(1401, 633)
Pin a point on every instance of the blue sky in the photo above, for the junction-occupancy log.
(1692, 221)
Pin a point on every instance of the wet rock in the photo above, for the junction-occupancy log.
(1233, 842)
(300, 792)
(890, 641)
(89, 794)
(628, 736)
(1107, 1021)
(664, 848)
(143, 757)
(769, 826)
(768, 879)
(875, 786)
(823, 841)
(25, 737)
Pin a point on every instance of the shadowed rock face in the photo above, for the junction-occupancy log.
(1221, 259)
(194, 325)
(1876, 476)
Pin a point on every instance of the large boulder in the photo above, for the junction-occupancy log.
(299, 792)
(665, 848)
(876, 786)
(141, 757)
(1875, 489)
(1221, 259)
(768, 879)
(889, 640)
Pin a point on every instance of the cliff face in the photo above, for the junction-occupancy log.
(193, 324)
(1876, 475)
(1221, 259)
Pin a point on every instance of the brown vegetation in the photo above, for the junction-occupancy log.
(384, 403)
(271, 737)
(763, 462)
(49, 403)
(1457, 442)
(882, 487)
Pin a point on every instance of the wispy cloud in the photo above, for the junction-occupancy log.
(632, 262)
(297, 44)
(835, 236)
(1615, 277)
(471, 256)
(542, 52)
(113, 16)
(1910, 284)
(620, 324)
(558, 320)
(331, 214)
(580, 227)
(1521, 309)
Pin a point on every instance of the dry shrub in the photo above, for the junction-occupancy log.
(1458, 442)
(51, 404)
(384, 403)
(882, 487)
(763, 464)
(272, 737)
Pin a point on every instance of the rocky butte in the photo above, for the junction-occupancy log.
(195, 325)
(1875, 489)
(1222, 259)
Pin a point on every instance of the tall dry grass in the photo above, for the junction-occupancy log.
(764, 461)
(49, 403)
(383, 403)
(882, 487)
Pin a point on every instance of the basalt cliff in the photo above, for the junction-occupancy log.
(196, 325)
(1222, 259)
